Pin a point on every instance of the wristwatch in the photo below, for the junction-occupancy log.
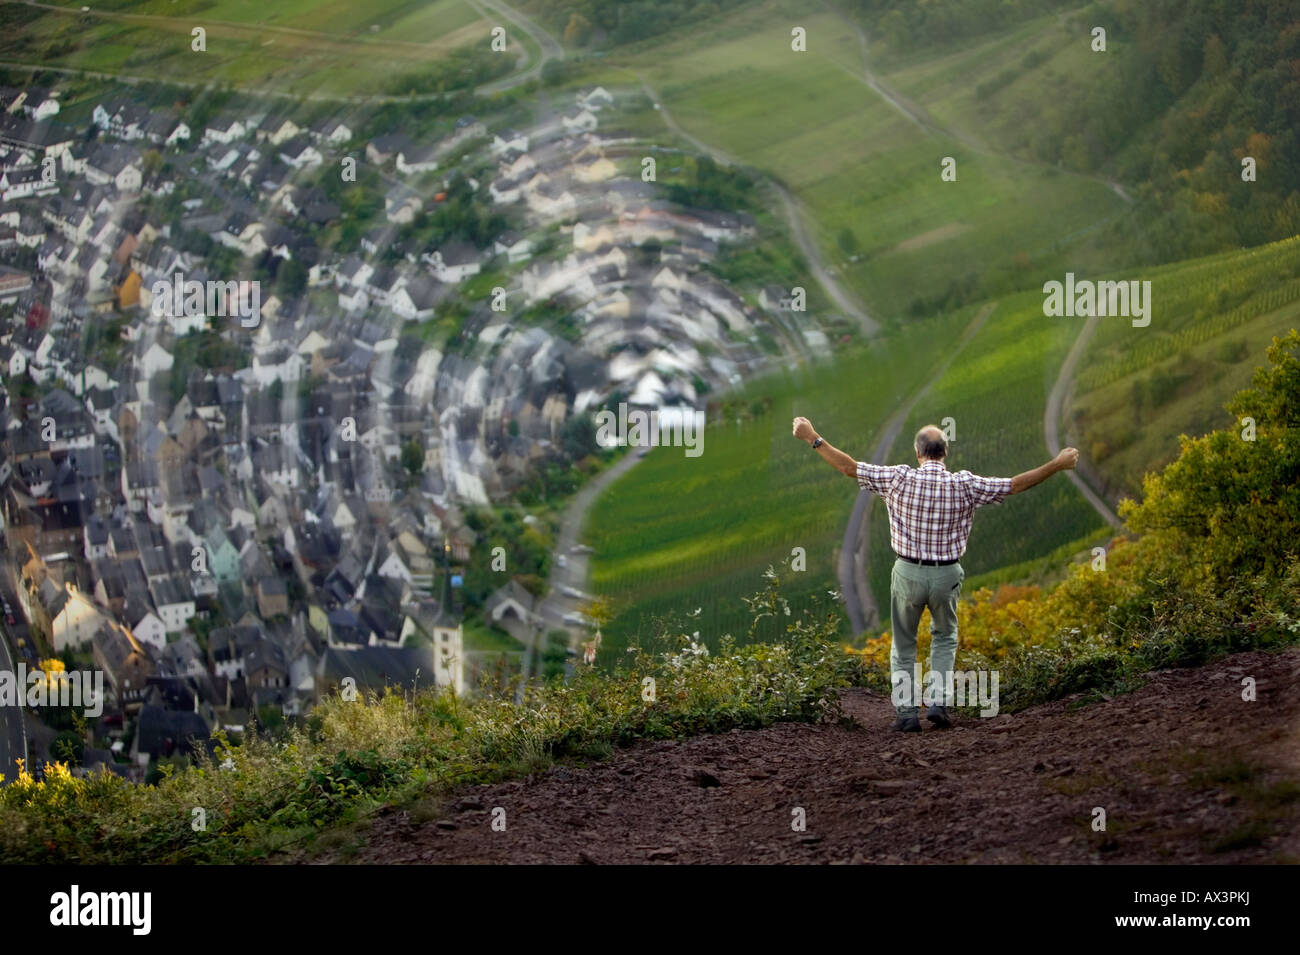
(817, 444)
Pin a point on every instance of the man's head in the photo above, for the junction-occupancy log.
(930, 444)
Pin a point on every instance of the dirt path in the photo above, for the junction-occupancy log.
(859, 601)
(546, 42)
(1186, 772)
(1056, 400)
(551, 610)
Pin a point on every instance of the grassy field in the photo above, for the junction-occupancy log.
(992, 92)
(302, 46)
(381, 19)
(810, 120)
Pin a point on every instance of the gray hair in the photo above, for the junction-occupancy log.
(930, 443)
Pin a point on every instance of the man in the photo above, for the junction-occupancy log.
(930, 513)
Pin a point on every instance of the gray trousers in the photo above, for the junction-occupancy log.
(912, 588)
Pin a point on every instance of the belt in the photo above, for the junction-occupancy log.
(927, 563)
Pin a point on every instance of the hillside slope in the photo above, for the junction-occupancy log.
(1186, 771)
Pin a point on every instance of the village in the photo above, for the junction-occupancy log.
(232, 518)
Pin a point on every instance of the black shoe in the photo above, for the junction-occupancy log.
(939, 716)
(907, 724)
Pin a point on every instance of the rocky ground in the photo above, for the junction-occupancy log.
(1186, 771)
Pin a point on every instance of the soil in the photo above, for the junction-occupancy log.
(1186, 771)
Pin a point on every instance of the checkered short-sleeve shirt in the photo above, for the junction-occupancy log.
(930, 508)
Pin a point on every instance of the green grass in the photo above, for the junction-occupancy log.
(481, 638)
(302, 46)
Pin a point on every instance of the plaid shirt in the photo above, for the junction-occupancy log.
(930, 509)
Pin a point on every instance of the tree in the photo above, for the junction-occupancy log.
(68, 747)
(291, 279)
(413, 457)
(579, 437)
(578, 32)
(847, 241)
(1214, 60)
(1229, 506)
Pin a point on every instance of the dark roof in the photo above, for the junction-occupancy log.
(374, 668)
(161, 731)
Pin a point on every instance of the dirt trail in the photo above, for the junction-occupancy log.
(1186, 772)
(1056, 401)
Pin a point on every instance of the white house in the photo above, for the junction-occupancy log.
(150, 629)
(583, 121)
(301, 154)
(331, 131)
(507, 140)
(74, 620)
(594, 99)
(506, 189)
(416, 159)
(24, 182)
(155, 359)
(175, 606)
(224, 130)
(288, 368)
(180, 134)
(515, 247)
(454, 262)
(415, 300)
(401, 204)
(118, 165)
(39, 104)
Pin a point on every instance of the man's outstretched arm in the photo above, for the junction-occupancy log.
(845, 464)
(1064, 461)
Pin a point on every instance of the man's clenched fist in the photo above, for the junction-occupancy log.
(803, 430)
(1068, 458)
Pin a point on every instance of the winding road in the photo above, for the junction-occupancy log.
(1056, 401)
